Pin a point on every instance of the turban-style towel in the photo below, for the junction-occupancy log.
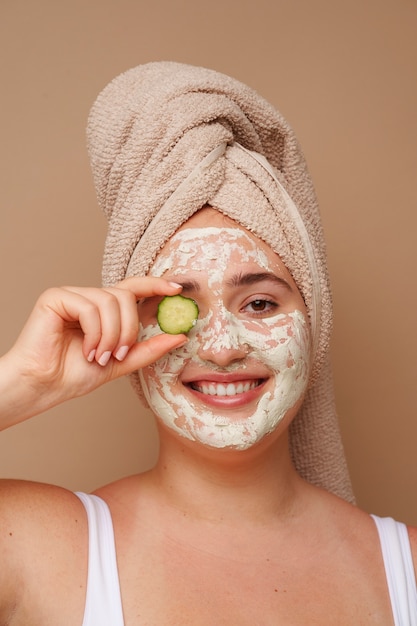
(166, 139)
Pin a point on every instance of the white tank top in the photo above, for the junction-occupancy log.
(399, 570)
(103, 604)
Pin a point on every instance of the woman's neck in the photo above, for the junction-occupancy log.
(255, 485)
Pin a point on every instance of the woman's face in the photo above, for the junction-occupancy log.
(246, 364)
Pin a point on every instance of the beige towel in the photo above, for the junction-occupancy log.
(165, 139)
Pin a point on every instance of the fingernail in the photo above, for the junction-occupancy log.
(176, 285)
(104, 359)
(91, 356)
(121, 353)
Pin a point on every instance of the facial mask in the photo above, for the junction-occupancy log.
(277, 344)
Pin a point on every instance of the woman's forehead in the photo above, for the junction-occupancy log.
(219, 250)
(209, 226)
(211, 237)
(201, 247)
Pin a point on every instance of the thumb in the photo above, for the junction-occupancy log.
(146, 352)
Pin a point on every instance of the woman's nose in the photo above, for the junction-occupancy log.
(220, 340)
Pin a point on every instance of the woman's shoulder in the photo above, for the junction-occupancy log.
(43, 545)
(37, 501)
(364, 525)
(38, 518)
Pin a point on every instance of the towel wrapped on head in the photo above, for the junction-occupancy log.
(166, 139)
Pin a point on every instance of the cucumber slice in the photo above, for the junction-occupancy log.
(177, 314)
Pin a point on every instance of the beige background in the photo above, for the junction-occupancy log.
(344, 74)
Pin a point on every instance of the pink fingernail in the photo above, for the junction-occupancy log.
(104, 359)
(183, 343)
(176, 285)
(121, 353)
(91, 356)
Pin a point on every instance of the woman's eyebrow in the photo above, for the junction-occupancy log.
(251, 278)
(238, 280)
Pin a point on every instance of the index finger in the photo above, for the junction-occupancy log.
(146, 286)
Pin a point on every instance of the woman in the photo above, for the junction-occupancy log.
(247, 517)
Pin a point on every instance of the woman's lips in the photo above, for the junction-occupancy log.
(210, 388)
(228, 393)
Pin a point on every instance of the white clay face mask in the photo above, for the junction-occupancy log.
(274, 349)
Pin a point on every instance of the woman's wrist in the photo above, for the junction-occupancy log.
(19, 397)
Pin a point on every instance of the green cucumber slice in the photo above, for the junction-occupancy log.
(177, 314)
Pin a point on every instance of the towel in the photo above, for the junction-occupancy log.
(166, 139)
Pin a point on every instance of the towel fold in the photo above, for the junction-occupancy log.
(166, 139)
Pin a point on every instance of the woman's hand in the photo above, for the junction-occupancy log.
(75, 340)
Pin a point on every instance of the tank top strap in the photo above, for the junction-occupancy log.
(399, 570)
(103, 603)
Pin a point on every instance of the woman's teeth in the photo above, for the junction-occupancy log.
(229, 389)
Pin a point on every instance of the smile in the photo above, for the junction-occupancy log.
(221, 389)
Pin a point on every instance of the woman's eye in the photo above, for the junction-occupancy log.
(260, 306)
